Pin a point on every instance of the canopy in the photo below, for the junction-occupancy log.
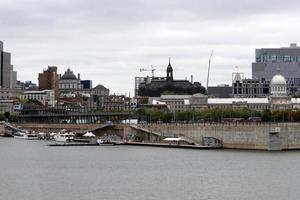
(89, 134)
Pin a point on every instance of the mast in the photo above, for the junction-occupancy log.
(208, 71)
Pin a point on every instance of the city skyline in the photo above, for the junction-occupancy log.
(109, 41)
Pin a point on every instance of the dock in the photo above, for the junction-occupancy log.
(165, 145)
(72, 144)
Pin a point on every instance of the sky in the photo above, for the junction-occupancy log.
(108, 41)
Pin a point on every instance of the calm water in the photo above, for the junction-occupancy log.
(34, 171)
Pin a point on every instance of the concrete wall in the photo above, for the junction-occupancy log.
(239, 136)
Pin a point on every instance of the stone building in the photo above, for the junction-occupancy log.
(156, 88)
(46, 97)
(249, 88)
(69, 83)
(49, 80)
(98, 96)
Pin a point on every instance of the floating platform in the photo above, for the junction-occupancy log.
(172, 145)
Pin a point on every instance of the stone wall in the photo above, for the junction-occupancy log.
(237, 136)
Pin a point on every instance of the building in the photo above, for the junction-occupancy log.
(181, 103)
(8, 77)
(155, 88)
(46, 97)
(277, 100)
(220, 91)
(98, 96)
(268, 60)
(7, 106)
(249, 88)
(87, 84)
(69, 83)
(113, 103)
(49, 80)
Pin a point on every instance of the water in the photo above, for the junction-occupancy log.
(31, 170)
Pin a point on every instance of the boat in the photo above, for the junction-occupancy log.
(104, 142)
(20, 135)
(64, 137)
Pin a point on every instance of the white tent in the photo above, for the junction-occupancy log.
(88, 134)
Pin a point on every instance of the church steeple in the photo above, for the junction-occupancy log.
(169, 71)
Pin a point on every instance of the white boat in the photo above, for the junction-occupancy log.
(64, 137)
(104, 142)
(26, 136)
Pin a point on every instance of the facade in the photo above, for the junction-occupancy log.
(181, 103)
(114, 103)
(87, 84)
(98, 96)
(6, 106)
(69, 83)
(220, 91)
(46, 97)
(249, 88)
(49, 80)
(268, 60)
(8, 76)
(156, 88)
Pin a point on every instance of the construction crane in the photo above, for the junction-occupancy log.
(208, 71)
(152, 70)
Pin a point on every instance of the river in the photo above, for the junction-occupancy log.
(31, 170)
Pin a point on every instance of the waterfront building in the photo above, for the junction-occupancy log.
(46, 97)
(249, 88)
(154, 87)
(267, 60)
(49, 80)
(69, 83)
(8, 76)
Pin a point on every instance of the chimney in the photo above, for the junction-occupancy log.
(192, 79)
(78, 76)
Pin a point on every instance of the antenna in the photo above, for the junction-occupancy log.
(208, 71)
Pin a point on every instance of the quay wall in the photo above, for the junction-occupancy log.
(262, 136)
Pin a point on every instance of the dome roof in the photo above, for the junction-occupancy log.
(69, 75)
(278, 79)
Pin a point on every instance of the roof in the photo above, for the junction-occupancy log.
(69, 75)
(278, 79)
(100, 87)
(236, 100)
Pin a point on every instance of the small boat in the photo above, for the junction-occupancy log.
(104, 142)
(64, 137)
(20, 135)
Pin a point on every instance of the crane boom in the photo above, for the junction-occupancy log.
(208, 71)
(152, 70)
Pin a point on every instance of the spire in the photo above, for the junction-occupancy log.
(169, 60)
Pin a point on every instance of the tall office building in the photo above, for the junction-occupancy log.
(8, 77)
(286, 59)
(49, 80)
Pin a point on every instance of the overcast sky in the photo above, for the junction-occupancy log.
(108, 41)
